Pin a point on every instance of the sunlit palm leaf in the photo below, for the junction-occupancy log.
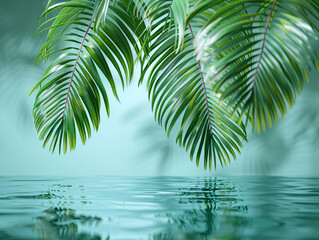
(179, 96)
(68, 101)
(162, 13)
(263, 76)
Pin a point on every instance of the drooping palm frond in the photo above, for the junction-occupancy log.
(179, 96)
(68, 100)
(260, 73)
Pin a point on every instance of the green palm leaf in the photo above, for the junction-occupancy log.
(259, 73)
(179, 96)
(69, 97)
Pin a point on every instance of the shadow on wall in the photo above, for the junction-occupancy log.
(18, 50)
(151, 139)
(294, 138)
(18, 74)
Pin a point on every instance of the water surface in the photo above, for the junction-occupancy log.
(159, 208)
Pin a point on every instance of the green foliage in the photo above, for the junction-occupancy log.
(208, 65)
(258, 61)
(70, 90)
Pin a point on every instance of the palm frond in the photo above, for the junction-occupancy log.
(258, 61)
(69, 97)
(179, 96)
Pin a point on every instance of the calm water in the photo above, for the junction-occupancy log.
(159, 208)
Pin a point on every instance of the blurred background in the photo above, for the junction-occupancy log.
(130, 142)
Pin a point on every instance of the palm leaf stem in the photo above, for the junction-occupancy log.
(202, 77)
(76, 62)
(264, 40)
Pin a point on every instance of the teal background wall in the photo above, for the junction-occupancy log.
(130, 142)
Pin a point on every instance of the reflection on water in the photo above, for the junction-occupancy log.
(159, 208)
(56, 223)
(211, 199)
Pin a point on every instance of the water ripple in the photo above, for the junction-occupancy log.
(159, 208)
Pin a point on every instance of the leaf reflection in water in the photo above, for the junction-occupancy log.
(159, 208)
(61, 222)
(57, 223)
(202, 208)
(219, 211)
